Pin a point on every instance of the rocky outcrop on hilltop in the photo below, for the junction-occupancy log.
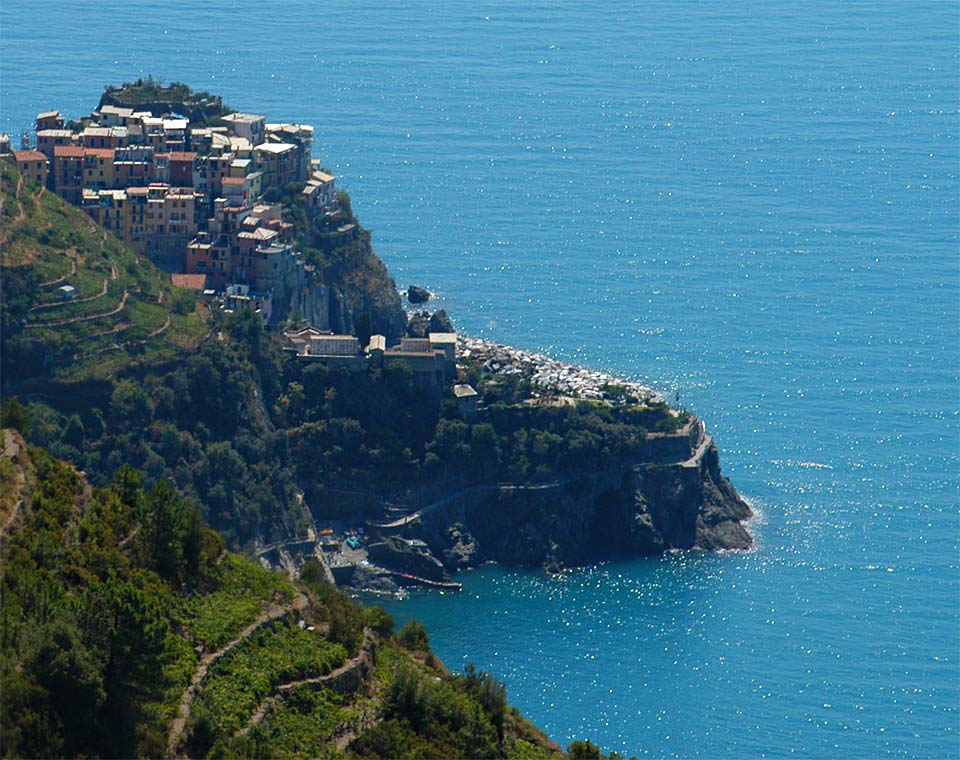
(160, 99)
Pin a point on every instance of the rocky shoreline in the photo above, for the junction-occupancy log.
(671, 496)
(553, 376)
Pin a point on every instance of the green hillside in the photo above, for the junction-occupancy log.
(128, 631)
(125, 310)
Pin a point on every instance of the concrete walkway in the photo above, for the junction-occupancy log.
(479, 488)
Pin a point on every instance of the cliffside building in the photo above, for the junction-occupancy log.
(279, 163)
(467, 397)
(432, 359)
(313, 345)
(252, 127)
(49, 120)
(188, 197)
(33, 165)
(48, 139)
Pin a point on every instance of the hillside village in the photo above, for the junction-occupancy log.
(194, 199)
(191, 198)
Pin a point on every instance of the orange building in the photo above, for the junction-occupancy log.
(68, 172)
(98, 168)
(32, 165)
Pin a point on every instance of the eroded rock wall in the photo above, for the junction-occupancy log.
(620, 512)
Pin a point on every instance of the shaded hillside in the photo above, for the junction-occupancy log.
(128, 631)
(124, 311)
(270, 446)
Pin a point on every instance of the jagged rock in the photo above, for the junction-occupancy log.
(407, 556)
(440, 322)
(417, 294)
(463, 551)
(422, 323)
(418, 324)
(370, 578)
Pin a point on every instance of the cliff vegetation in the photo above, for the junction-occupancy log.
(128, 631)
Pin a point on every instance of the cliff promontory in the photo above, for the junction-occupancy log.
(474, 451)
(624, 510)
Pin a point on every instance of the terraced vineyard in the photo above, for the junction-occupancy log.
(240, 590)
(309, 718)
(124, 310)
(276, 654)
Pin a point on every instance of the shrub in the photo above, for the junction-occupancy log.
(413, 637)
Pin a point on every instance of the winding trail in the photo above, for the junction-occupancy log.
(55, 304)
(115, 329)
(178, 727)
(693, 461)
(12, 448)
(58, 280)
(21, 214)
(162, 328)
(478, 488)
(86, 318)
(277, 696)
(705, 442)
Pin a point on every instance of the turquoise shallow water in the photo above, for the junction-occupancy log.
(755, 204)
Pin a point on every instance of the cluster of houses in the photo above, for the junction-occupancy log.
(432, 359)
(192, 199)
(189, 197)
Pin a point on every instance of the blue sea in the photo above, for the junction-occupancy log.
(754, 204)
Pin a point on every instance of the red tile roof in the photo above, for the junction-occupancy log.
(180, 155)
(189, 281)
(67, 151)
(100, 152)
(28, 155)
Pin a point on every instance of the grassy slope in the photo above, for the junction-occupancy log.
(122, 312)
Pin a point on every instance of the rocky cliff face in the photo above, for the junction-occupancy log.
(363, 296)
(298, 295)
(624, 511)
(337, 308)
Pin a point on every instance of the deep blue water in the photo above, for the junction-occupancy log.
(755, 203)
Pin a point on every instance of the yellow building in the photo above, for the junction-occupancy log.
(98, 168)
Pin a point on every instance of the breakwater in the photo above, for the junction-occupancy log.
(553, 377)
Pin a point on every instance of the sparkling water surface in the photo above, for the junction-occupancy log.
(754, 204)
